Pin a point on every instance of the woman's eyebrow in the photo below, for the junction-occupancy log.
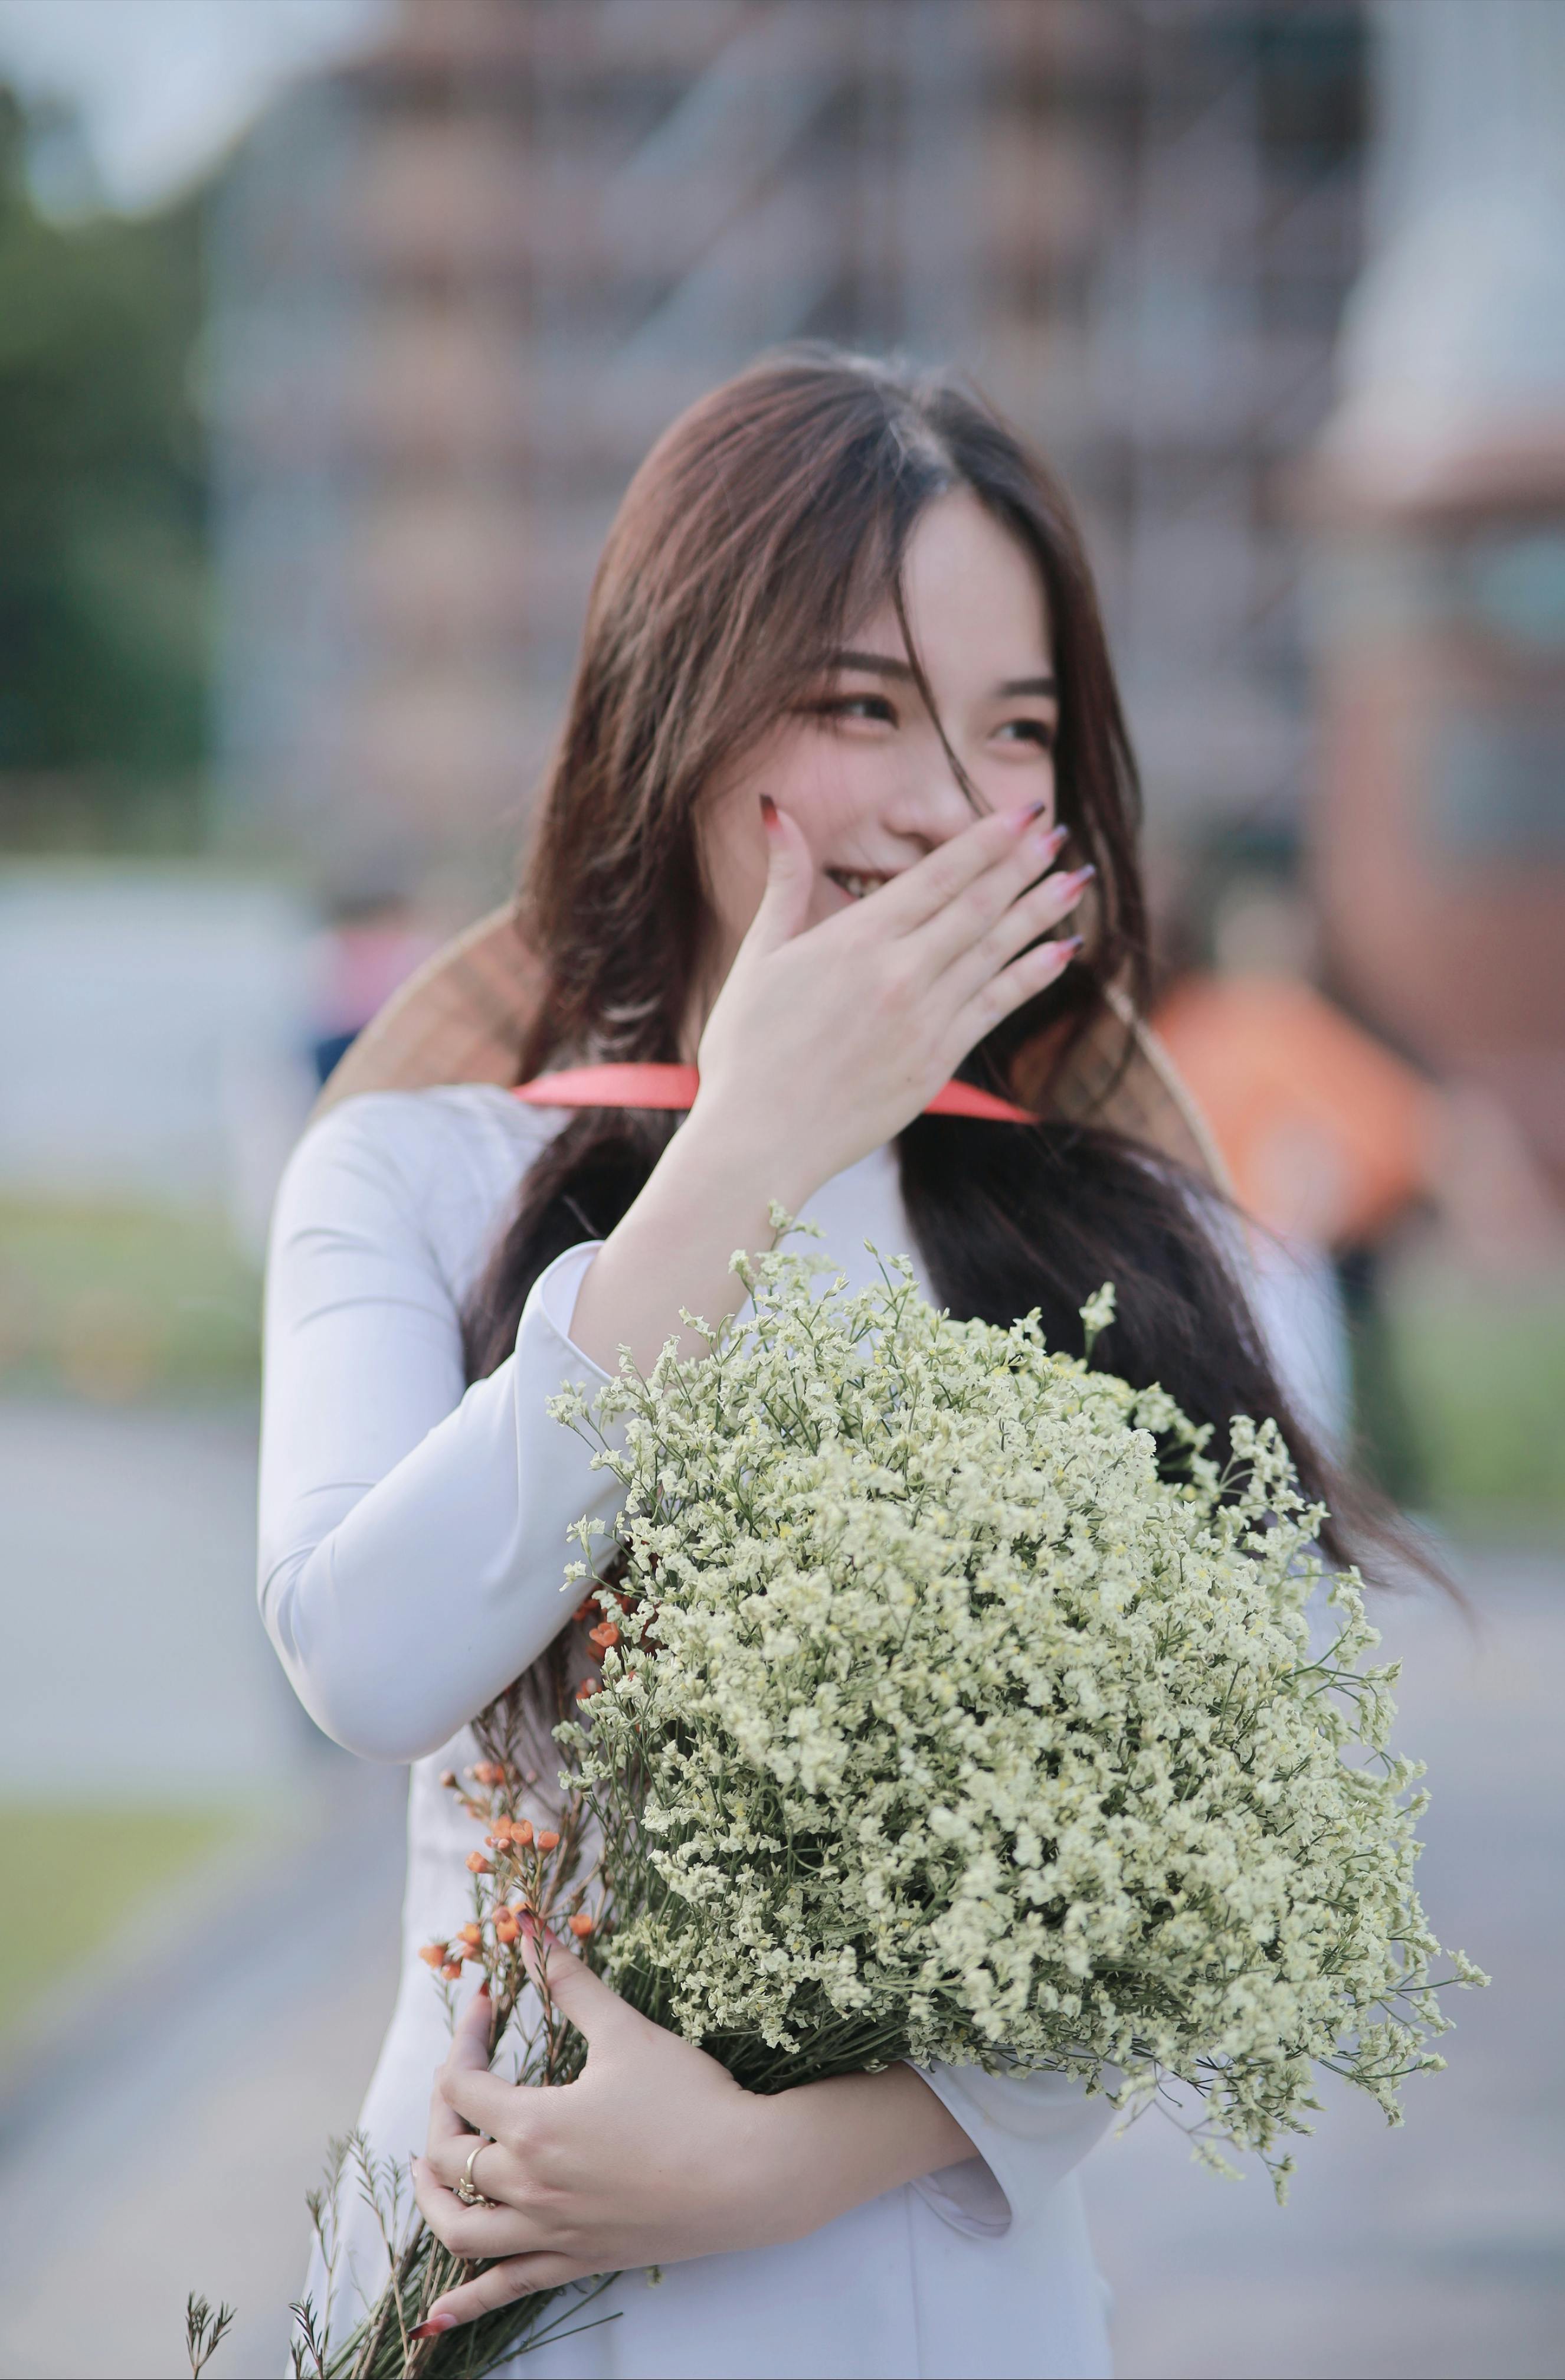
(881, 664)
(886, 666)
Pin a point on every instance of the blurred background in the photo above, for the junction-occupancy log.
(330, 333)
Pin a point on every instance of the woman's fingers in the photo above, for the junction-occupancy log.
(1044, 905)
(932, 884)
(1005, 993)
(492, 2169)
(470, 2035)
(498, 2230)
(945, 937)
(468, 2053)
(790, 875)
(591, 2005)
(501, 2284)
(490, 2105)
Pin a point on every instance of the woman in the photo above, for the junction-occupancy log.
(843, 805)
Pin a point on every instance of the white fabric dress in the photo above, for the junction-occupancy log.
(413, 1540)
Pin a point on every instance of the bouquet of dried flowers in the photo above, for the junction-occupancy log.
(953, 1705)
(963, 1709)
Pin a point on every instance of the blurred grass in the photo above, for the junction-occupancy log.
(49, 1925)
(1479, 1369)
(121, 1305)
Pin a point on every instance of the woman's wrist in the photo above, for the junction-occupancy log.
(711, 1192)
(747, 1164)
(824, 2147)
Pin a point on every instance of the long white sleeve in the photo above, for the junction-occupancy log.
(1030, 2130)
(413, 1537)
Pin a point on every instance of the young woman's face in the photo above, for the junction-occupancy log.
(860, 766)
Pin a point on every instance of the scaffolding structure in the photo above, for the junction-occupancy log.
(462, 284)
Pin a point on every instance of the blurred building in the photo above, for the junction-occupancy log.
(1440, 508)
(461, 286)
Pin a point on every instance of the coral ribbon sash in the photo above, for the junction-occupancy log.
(674, 1087)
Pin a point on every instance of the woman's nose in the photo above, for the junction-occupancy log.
(931, 803)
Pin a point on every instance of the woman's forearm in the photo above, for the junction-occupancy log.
(709, 1196)
(829, 2146)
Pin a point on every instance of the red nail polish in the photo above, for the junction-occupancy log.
(435, 2324)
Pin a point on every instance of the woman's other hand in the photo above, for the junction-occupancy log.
(653, 2155)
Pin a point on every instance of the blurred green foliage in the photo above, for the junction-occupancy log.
(1480, 1382)
(51, 1924)
(123, 1303)
(102, 570)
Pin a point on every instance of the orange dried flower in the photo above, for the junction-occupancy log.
(604, 1634)
(581, 1926)
(433, 1954)
(547, 1840)
(478, 1865)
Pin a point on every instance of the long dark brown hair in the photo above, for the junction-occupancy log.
(768, 520)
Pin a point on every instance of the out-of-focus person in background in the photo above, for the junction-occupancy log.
(1329, 1136)
(374, 942)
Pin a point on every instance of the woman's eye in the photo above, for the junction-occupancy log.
(856, 706)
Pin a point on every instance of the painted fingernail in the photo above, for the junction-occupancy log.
(435, 2324)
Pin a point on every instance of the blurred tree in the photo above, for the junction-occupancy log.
(102, 572)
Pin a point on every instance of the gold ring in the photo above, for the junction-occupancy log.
(467, 2189)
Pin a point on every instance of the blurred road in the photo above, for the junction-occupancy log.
(1436, 2251)
(162, 2126)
